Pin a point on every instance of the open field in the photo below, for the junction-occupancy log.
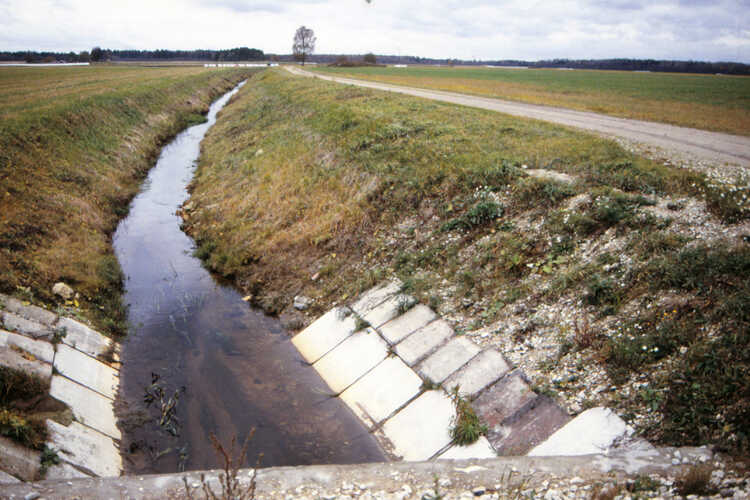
(588, 266)
(75, 143)
(709, 102)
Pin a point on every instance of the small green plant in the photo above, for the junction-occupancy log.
(466, 428)
(360, 323)
(59, 334)
(48, 458)
(480, 214)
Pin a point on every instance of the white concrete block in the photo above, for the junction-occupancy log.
(420, 430)
(447, 359)
(351, 359)
(594, 431)
(43, 351)
(374, 296)
(382, 391)
(85, 448)
(6, 478)
(412, 320)
(484, 369)
(30, 328)
(89, 407)
(86, 340)
(388, 310)
(31, 312)
(86, 371)
(325, 333)
(420, 343)
(11, 358)
(19, 461)
(64, 470)
(481, 449)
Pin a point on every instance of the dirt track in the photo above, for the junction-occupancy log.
(712, 146)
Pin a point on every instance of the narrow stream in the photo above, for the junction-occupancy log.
(233, 368)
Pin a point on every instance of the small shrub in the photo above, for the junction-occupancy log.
(360, 323)
(603, 292)
(19, 427)
(49, 457)
(696, 481)
(480, 214)
(533, 192)
(466, 428)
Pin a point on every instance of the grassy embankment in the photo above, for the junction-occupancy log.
(710, 102)
(307, 187)
(75, 144)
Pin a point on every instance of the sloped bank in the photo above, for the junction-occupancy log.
(612, 280)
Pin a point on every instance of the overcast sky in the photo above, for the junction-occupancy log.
(710, 30)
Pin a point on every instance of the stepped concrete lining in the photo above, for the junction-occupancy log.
(399, 328)
(325, 333)
(419, 344)
(382, 391)
(387, 374)
(83, 381)
(86, 370)
(351, 359)
(420, 431)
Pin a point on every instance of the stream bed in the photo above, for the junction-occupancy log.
(199, 361)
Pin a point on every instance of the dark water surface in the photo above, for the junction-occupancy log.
(237, 366)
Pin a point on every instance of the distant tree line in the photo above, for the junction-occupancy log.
(99, 54)
(729, 68)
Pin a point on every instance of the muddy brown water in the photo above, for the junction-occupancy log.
(234, 368)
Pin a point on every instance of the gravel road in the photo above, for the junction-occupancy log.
(711, 146)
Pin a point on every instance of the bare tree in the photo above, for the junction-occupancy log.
(304, 43)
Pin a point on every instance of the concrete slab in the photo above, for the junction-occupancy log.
(595, 431)
(89, 407)
(6, 478)
(421, 343)
(325, 333)
(85, 448)
(86, 371)
(64, 471)
(528, 428)
(412, 320)
(86, 340)
(386, 311)
(447, 359)
(18, 460)
(420, 430)
(351, 359)
(484, 369)
(30, 312)
(481, 449)
(43, 351)
(19, 324)
(11, 358)
(502, 401)
(382, 391)
(374, 296)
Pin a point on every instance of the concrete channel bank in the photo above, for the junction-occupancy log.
(81, 368)
(395, 363)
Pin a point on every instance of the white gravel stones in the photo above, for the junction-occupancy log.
(325, 333)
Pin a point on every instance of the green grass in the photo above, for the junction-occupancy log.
(75, 143)
(712, 102)
(307, 187)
